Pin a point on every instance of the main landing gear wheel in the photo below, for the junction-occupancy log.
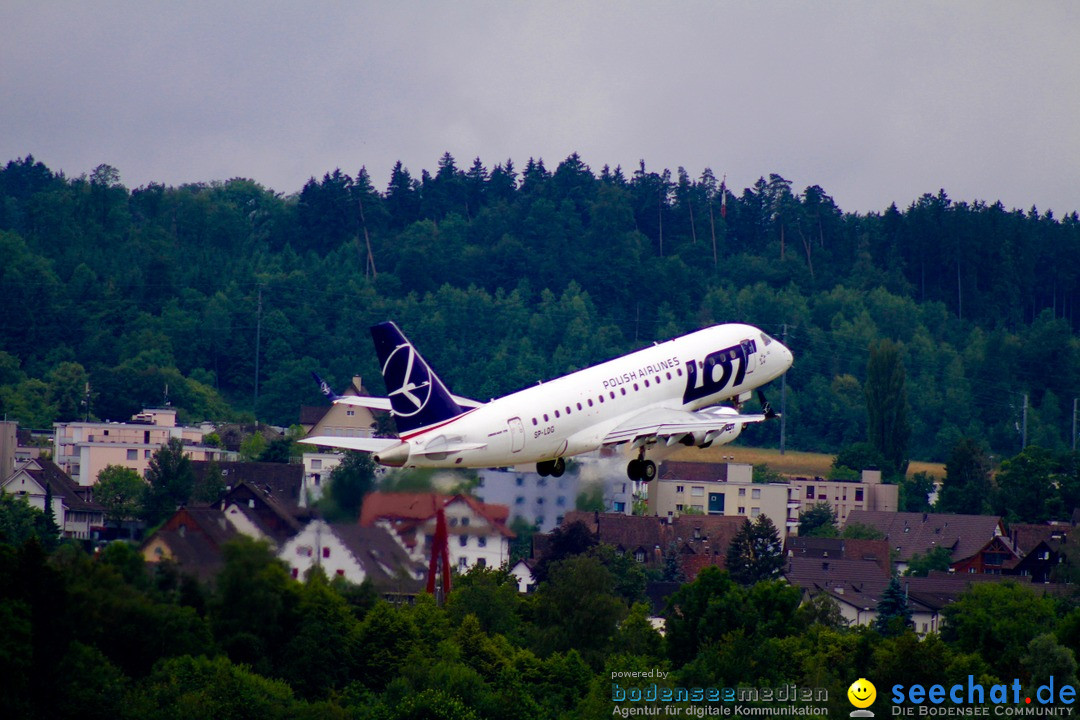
(554, 468)
(641, 469)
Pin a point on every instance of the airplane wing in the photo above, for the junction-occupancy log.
(364, 444)
(671, 426)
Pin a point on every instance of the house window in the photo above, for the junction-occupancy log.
(620, 507)
(316, 478)
(463, 562)
(326, 552)
(697, 491)
(520, 480)
(678, 488)
(464, 522)
(678, 507)
(303, 550)
(540, 520)
(295, 573)
(741, 510)
(132, 454)
(341, 573)
(560, 501)
(482, 541)
(464, 541)
(754, 512)
(742, 492)
(640, 556)
(481, 562)
(858, 494)
(756, 493)
(316, 464)
(809, 492)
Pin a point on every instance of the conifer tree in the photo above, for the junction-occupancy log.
(756, 552)
(894, 613)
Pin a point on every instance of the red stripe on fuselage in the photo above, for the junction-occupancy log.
(435, 427)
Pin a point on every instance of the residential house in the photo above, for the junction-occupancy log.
(259, 501)
(524, 575)
(478, 531)
(356, 554)
(339, 420)
(258, 513)
(698, 540)
(876, 551)
(283, 482)
(855, 586)
(84, 449)
(1043, 548)
(73, 506)
(192, 538)
(969, 538)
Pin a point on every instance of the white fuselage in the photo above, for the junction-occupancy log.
(574, 413)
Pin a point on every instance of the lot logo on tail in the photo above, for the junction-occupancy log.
(408, 381)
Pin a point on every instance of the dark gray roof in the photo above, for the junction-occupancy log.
(382, 557)
(917, 533)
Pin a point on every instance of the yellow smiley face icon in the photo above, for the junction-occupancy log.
(862, 693)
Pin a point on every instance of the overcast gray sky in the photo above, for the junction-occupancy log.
(876, 102)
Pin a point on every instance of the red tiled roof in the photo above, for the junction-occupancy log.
(410, 509)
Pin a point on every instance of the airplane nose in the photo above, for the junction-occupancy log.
(786, 357)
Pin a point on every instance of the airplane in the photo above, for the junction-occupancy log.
(648, 400)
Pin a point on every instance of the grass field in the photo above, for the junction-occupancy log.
(803, 464)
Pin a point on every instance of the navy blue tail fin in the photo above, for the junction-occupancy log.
(418, 397)
(324, 387)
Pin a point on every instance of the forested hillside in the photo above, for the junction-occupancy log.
(505, 276)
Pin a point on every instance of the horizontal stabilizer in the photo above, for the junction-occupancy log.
(382, 403)
(363, 444)
(375, 403)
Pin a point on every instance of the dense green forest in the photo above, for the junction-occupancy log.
(505, 276)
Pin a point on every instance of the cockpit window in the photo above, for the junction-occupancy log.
(766, 339)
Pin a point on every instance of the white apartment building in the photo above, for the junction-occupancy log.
(84, 449)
